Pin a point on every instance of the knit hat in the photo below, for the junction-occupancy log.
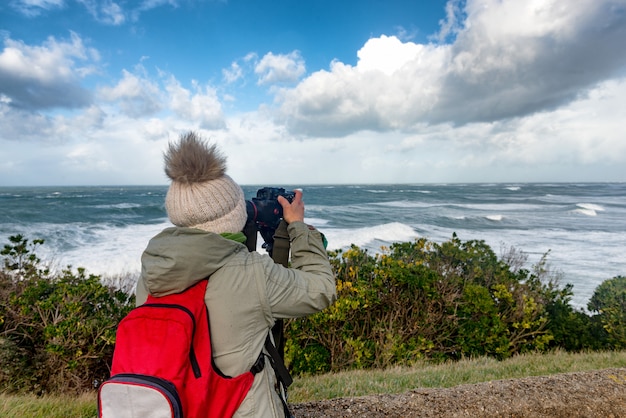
(201, 195)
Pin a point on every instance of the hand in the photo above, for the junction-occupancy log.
(293, 211)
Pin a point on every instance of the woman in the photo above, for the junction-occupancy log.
(247, 292)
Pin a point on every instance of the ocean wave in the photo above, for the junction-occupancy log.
(340, 238)
(60, 195)
(405, 204)
(120, 206)
(588, 209)
(101, 249)
(315, 221)
(116, 251)
(591, 206)
(587, 212)
(513, 188)
(500, 206)
(583, 226)
(100, 254)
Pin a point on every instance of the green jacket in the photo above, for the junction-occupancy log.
(246, 293)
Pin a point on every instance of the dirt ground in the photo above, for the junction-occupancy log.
(600, 394)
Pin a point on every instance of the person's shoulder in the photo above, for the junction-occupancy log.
(244, 257)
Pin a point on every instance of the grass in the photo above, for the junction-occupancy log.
(359, 383)
(64, 406)
(427, 375)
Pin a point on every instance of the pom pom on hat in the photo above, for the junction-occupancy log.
(201, 195)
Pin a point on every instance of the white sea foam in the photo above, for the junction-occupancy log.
(500, 206)
(588, 212)
(111, 251)
(586, 240)
(513, 188)
(116, 251)
(339, 238)
(405, 204)
(316, 221)
(100, 249)
(588, 209)
(591, 206)
(122, 255)
(119, 206)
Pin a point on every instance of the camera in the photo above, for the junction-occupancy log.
(265, 212)
(264, 209)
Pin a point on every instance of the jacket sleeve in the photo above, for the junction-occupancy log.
(308, 286)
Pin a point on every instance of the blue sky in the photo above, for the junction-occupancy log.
(313, 92)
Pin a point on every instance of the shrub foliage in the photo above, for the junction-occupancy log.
(422, 300)
(413, 301)
(609, 303)
(57, 331)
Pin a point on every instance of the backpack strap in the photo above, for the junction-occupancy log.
(277, 363)
(282, 374)
(280, 251)
(280, 255)
(258, 365)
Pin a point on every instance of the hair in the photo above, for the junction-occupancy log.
(192, 160)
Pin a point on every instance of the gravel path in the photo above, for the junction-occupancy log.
(600, 394)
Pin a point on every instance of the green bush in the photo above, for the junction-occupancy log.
(413, 301)
(57, 331)
(421, 300)
(609, 303)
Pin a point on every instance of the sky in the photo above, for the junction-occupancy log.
(298, 92)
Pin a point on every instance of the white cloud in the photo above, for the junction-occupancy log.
(586, 133)
(396, 54)
(516, 58)
(233, 73)
(155, 129)
(46, 76)
(33, 8)
(140, 96)
(579, 142)
(377, 94)
(19, 125)
(240, 68)
(202, 106)
(108, 12)
(525, 91)
(137, 95)
(509, 59)
(453, 23)
(88, 120)
(281, 68)
(147, 5)
(105, 11)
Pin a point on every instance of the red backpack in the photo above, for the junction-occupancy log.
(162, 364)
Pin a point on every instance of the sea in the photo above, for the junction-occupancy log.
(581, 226)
